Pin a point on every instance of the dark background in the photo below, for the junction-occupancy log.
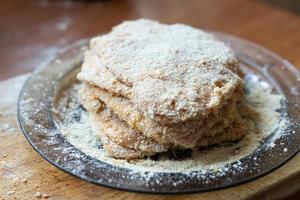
(32, 32)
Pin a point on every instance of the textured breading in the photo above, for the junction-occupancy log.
(173, 73)
(151, 88)
(184, 135)
(115, 131)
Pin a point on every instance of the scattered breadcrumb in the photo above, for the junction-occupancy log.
(45, 196)
(259, 95)
(38, 195)
(272, 144)
(11, 192)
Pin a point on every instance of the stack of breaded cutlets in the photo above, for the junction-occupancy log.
(151, 88)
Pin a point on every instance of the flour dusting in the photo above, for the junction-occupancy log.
(73, 122)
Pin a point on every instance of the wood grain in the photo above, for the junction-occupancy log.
(24, 174)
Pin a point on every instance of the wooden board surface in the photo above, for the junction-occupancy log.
(26, 175)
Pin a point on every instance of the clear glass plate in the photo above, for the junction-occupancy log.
(36, 120)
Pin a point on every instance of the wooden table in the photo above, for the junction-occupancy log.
(32, 32)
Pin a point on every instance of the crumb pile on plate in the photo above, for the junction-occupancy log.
(152, 88)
